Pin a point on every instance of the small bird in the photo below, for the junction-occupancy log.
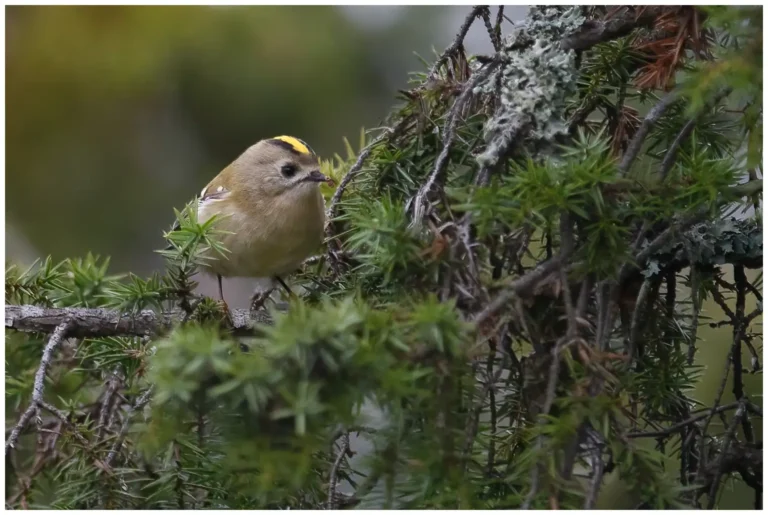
(268, 202)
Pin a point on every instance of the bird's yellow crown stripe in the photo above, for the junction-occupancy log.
(297, 144)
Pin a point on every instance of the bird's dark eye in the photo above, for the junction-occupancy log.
(288, 170)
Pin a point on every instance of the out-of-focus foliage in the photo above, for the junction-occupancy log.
(115, 115)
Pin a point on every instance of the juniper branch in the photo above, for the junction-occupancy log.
(92, 322)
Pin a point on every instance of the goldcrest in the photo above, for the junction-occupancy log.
(269, 205)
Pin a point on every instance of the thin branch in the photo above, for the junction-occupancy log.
(420, 202)
(566, 248)
(137, 406)
(519, 287)
(721, 389)
(738, 331)
(353, 171)
(458, 41)
(61, 330)
(635, 323)
(661, 240)
(598, 469)
(696, 299)
(333, 479)
(23, 421)
(113, 383)
(497, 27)
(492, 405)
(350, 175)
(485, 14)
(645, 127)
(65, 421)
(682, 425)
(471, 432)
(730, 434)
(671, 154)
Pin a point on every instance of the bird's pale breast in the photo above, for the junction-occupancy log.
(271, 241)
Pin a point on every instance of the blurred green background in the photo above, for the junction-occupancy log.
(116, 115)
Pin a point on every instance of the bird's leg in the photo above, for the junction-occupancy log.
(224, 303)
(221, 290)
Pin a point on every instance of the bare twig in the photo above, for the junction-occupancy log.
(485, 14)
(62, 329)
(333, 247)
(635, 323)
(719, 396)
(730, 434)
(333, 478)
(113, 383)
(420, 202)
(471, 432)
(598, 469)
(739, 329)
(65, 421)
(23, 421)
(458, 41)
(696, 300)
(138, 405)
(497, 27)
(492, 405)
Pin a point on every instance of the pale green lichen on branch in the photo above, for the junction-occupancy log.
(537, 77)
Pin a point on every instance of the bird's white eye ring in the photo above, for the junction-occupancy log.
(288, 170)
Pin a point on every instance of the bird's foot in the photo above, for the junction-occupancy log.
(226, 319)
(259, 299)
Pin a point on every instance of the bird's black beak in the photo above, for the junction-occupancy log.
(316, 176)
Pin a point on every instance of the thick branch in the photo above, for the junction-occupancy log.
(91, 322)
(599, 31)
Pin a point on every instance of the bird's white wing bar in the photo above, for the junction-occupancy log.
(215, 194)
(208, 198)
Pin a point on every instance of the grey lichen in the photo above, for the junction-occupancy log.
(536, 77)
(712, 243)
